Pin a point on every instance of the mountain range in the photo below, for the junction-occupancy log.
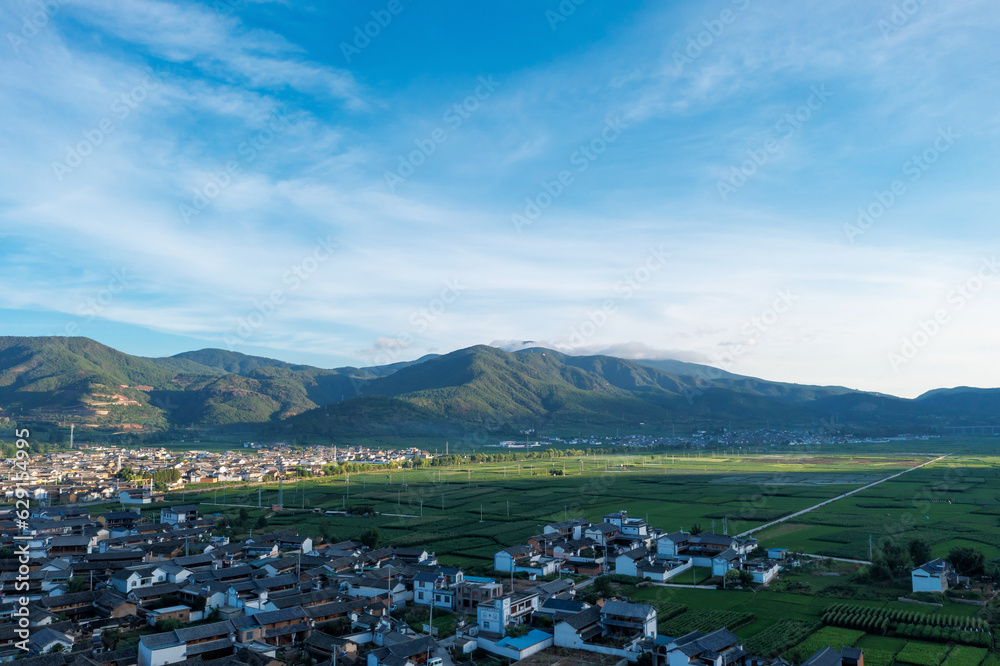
(79, 380)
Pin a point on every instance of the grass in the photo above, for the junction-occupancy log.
(465, 514)
(964, 655)
(923, 654)
(437, 504)
(705, 621)
(825, 637)
(779, 637)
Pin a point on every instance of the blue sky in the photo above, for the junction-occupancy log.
(799, 191)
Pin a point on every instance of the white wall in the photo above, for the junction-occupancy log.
(160, 656)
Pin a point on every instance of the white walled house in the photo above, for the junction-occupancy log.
(176, 515)
(428, 588)
(627, 526)
(724, 561)
(508, 558)
(672, 545)
(621, 617)
(719, 648)
(127, 580)
(626, 563)
(495, 615)
(764, 571)
(934, 576)
(662, 570)
(569, 529)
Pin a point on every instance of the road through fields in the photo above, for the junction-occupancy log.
(838, 497)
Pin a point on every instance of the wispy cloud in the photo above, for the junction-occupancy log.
(222, 77)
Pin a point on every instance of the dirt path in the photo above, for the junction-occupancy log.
(838, 497)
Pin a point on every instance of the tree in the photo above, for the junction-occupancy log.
(169, 624)
(110, 637)
(77, 584)
(879, 570)
(327, 532)
(894, 556)
(738, 577)
(370, 538)
(602, 586)
(244, 516)
(920, 552)
(518, 630)
(696, 528)
(967, 561)
(261, 522)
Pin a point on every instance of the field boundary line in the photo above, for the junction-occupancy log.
(839, 497)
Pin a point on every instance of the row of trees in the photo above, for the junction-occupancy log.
(161, 478)
(910, 624)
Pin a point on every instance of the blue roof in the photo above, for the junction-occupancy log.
(533, 637)
(479, 579)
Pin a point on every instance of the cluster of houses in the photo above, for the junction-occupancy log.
(91, 474)
(627, 545)
(123, 589)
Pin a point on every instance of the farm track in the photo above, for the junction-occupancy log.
(839, 497)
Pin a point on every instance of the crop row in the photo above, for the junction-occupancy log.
(909, 624)
(706, 621)
(898, 616)
(780, 636)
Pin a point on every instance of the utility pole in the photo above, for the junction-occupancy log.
(430, 622)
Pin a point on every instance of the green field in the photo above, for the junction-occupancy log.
(465, 514)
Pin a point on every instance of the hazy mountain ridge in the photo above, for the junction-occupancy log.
(80, 380)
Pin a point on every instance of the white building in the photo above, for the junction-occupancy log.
(934, 576)
(495, 615)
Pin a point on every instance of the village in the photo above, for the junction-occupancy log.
(100, 474)
(120, 589)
